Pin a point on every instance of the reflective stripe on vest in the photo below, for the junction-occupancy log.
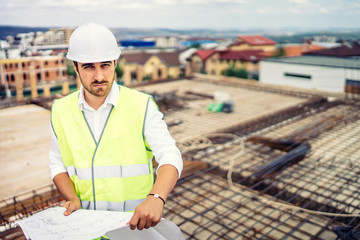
(128, 205)
(109, 171)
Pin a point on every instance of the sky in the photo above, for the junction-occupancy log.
(183, 14)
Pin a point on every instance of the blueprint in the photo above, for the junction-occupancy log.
(89, 224)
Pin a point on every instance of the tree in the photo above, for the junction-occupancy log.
(279, 53)
(239, 73)
(70, 70)
(119, 71)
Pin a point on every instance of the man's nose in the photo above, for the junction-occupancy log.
(99, 75)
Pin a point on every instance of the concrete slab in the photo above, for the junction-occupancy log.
(248, 104)
(24, 149)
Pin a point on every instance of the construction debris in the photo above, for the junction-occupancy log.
(168, 101)
(281, 162)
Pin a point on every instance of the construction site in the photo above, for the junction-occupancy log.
(283, 163)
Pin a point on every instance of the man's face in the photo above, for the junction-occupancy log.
(97, 78)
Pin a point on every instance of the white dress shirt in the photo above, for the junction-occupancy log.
(155, 131)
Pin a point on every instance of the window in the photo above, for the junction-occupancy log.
(46, 74)
(296, 75)
(46, 62)
(24, 76)
(6, 66)
(12, 77)
(23, 64)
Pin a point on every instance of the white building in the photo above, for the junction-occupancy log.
(321, 73)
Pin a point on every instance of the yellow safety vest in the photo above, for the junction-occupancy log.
(115, 173)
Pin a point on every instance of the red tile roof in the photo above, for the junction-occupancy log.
(298, 50)
(256, 40)
(341, 51)
(204, 54)
(247, 55)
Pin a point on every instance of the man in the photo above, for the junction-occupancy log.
(104, 137)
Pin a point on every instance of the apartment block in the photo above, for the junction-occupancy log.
(46, 69)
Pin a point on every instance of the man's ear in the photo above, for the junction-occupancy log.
(75, 66)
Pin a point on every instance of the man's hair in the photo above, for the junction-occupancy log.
(76, 65)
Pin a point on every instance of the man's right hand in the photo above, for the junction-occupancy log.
(71, 206)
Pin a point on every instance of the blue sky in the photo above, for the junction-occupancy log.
(183, 14)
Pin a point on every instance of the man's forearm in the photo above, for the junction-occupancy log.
(149, 213)
(65, 186)
(67, 190)
(166, 179)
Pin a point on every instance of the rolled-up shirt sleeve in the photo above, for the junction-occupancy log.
(56, 164)
(160, 141)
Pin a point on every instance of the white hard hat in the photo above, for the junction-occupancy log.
(92, 42)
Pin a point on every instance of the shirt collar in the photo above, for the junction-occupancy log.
(112, 97)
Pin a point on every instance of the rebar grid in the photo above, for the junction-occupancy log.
(205, 206)
(325, 180)
(24, 205)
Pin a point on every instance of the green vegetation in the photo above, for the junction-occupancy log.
(147, 78)
(279, 53)
(239, 73)
(119, 71)
(70, 70)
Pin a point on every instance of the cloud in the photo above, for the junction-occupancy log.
(15, 4)
(263, 11)
(207, 2)
(299, 1)
(231, 1)
(324, 10)
(94, 5)
(165, 2)
(194, 2)
(296, 11)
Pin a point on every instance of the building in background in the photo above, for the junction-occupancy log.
(135, 43)
(293, 50)
(147, 65)
(313, 72)
(343, 51)
(254, 42)
(215, 62)
(46, 69)
(198, 42)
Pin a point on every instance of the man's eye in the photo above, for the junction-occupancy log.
(105, 65)
(88, 67)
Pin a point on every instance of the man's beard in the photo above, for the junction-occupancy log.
(98, 91)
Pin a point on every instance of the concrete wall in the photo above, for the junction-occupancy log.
(321, 78)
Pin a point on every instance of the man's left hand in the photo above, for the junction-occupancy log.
(147, 214)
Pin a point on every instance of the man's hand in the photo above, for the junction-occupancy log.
(71, 206)
(147, 214)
